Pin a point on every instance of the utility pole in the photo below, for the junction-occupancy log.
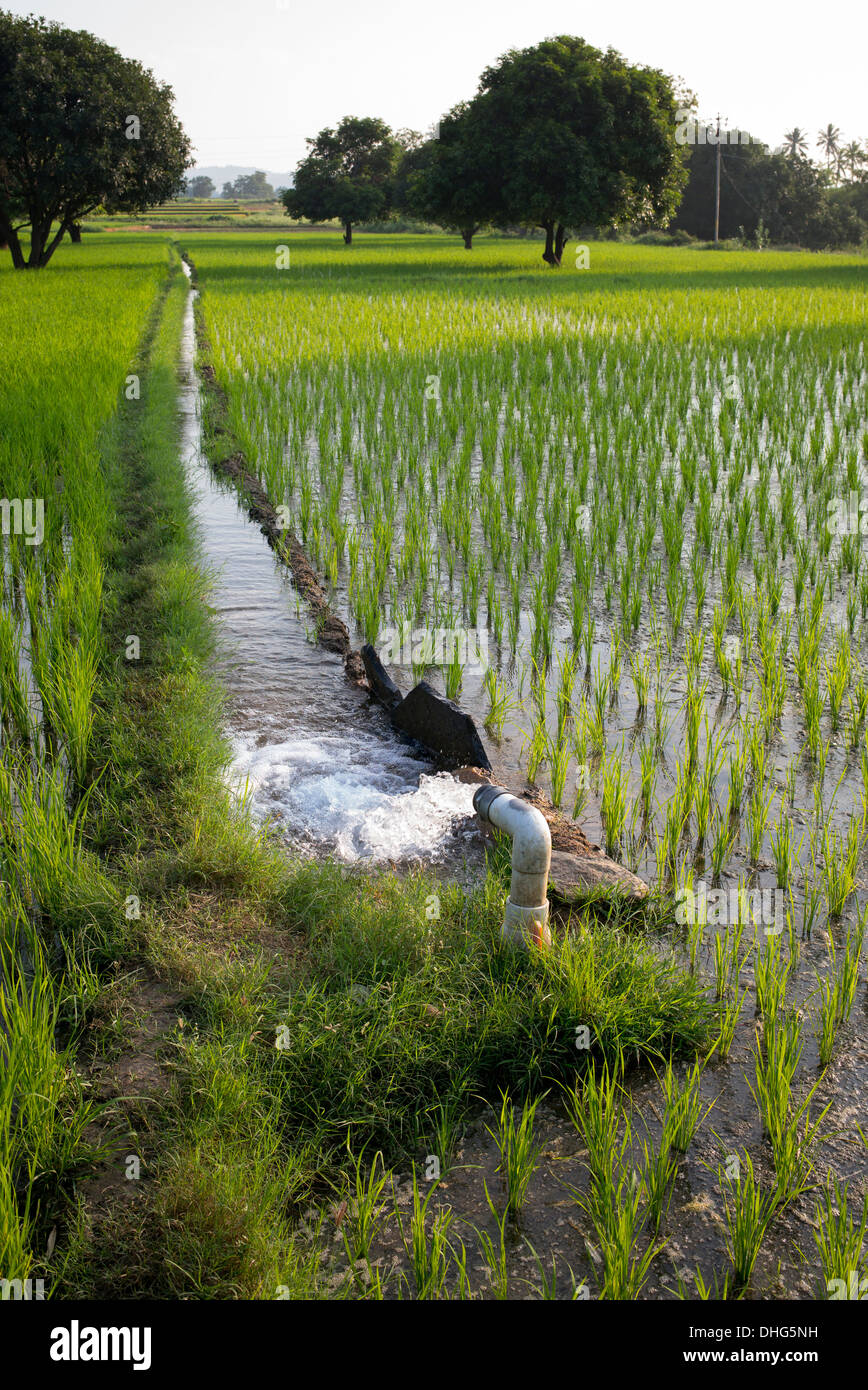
(717, 186)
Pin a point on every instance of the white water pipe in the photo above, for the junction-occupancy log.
(526, 914)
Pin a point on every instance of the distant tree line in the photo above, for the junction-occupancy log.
(778, 195)
(568, 139)
(558, 136)
(200, 186)
(254, 187)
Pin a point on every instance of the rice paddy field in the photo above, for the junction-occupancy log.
(70, 340)
(635, 489)
(638, 483)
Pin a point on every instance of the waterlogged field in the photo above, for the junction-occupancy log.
(627, 503)
(630, 492)
(69, 339)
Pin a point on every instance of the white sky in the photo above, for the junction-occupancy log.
(253, 79)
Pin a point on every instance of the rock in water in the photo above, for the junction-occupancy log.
(382, 686)
(577, 876)
(440, 726)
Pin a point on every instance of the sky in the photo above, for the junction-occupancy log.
(252, 80)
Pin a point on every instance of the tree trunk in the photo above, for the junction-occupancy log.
(549, 252)
(74, 229)
(560, 242)
(38, 237)
(348, 234)
(9, 238)
(41, 249)
(467, 233)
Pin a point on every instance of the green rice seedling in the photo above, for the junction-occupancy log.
(734, 962)
(548, 1282)
(648, 772)
(748, 1214)
(640, 671)
(454, 674)
(675, 824)
(757, 820)
(723, 838)
(538, 687)
(566, 686)
(446, 1128)
(662, 720)
(594, 1106)
(495, 1252)
(14, 686)
(600, 694)
(588, 641)
(730, 1012)
(857, 712)
(840, 1237)
(558, 756)
(772, 975)
(838, 677)
(614, 801)
(626, 1264)
(614, 673)
(840, 856)
(535, 747)
(500, 703)
(43, 1110)
(714, 1292)
(794, 1148)
(656, 1176)
(426, 1245)
(736, 782)
(683, 1114)
(519, 1153)
(774, 1069)
(364, 1213)
(836, 994)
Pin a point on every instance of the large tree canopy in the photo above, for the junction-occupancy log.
(579, 137)
(347, 174)
(452, 179)
(80, 127)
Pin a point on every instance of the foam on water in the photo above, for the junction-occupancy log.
(362, 798)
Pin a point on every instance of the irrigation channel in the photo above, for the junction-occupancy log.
(314, 754)
(320, 761)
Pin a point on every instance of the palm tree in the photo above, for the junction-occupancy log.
(828, 141)
(796, 143)
(852, 158)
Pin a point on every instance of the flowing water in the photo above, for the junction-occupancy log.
(317, 756)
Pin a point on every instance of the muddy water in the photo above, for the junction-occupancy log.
(316, 756)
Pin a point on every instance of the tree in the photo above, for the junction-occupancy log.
(578, 137)
(852, 158)
(347, 174)
(748, 190)
(796, 143)
(451, 179)
(828, 142)
(80, 127)
(201, 187)
(254, 187)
